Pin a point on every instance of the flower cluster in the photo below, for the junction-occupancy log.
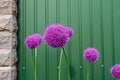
(91, 54)
(115, 71)
(57, 36)
(33, 41)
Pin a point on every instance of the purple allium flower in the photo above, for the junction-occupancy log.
(115, 71)
(91, 54)
(33, 41)
(56, 36)
(69, 31)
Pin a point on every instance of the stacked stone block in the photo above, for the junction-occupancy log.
(8, 39)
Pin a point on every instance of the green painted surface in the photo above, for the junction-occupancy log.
(96, 23)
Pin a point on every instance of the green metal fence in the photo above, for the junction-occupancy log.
(96, 24)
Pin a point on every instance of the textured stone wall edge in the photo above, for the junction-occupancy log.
(8, 39)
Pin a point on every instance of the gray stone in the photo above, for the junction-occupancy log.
(8, 23)
(8, 40)
(7, 57)
(8, 7)
(9, 0)
(8, 73)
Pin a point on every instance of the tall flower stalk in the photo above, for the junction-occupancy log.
(59, 66)
(34, 60)
(67, 64)
(57, 36)
(32, 42)
(91, 55)
(88, 70)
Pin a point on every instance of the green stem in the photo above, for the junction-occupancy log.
(33, 58)
(35, 64)
(59, 66)
(67, 64)
(34, 61)
(115, 79)
(88, 71)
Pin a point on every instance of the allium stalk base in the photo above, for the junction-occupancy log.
(67, 64)
(34, 61)
(59, 66)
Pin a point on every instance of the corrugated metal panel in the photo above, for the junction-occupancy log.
(96, 24)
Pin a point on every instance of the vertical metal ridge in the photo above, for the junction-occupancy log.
(57, 21)
(57, 11)
(91, 34)
(69, 12)
(21, 73)
(46, 48)
(102, 39)
(91, 23)
(35, 16)
(24, 36)
(69, 24)
(80, 37)
(112, 32)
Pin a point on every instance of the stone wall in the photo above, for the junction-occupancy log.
(8, 39)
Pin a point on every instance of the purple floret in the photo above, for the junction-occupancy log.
(56, 36)
(70, 31)
(91, 54)
(33, 41)
(115, 71)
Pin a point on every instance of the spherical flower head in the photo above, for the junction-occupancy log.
(55, 36)
(91, 54)
(33, 41)
(115, 71)
(70, 31)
